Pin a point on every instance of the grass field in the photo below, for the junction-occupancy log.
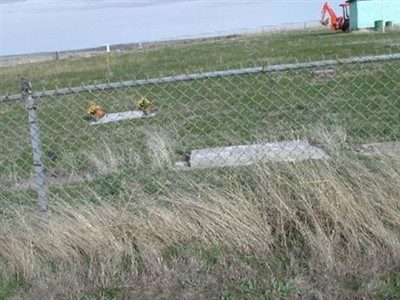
(248, 50)
(141, 229)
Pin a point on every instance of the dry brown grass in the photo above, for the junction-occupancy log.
(334, 223)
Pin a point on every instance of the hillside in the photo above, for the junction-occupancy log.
(126, 223)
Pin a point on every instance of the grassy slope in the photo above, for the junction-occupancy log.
(247, 233)
(283, 47)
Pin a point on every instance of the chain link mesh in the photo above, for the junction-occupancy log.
(151, 153)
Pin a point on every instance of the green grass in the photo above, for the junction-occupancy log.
(248, 50)
(391, 288)
(9, 289)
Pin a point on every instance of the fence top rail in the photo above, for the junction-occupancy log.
(205, 75)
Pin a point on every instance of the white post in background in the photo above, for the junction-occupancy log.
(108, 54)
(40, 179)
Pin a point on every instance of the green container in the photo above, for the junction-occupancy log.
(389, 24)
(379, 25)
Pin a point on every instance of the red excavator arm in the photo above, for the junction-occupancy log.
(332, 15)
(337, 23)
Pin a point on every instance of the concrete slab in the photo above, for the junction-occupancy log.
(389, 149)
(126, 115)
(250, 154)
(324, 73)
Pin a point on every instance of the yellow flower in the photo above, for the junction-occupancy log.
(92, 108)
(144, 104)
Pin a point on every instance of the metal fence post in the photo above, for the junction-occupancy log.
(40, 179)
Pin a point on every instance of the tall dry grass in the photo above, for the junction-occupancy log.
(341, 216)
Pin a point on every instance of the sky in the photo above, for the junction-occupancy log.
(31, 26)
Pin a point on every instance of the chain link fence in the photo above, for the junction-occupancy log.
(202, 127)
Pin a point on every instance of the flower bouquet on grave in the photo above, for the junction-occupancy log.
(95, 111)
(145, 105)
